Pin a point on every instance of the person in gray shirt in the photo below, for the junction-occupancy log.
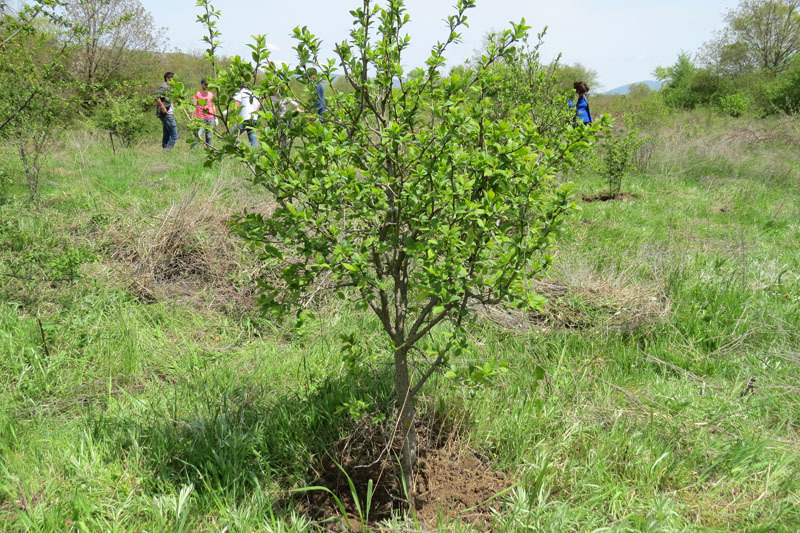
(166, 112)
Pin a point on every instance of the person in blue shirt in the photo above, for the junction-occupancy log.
(320, 90)
(582, 112)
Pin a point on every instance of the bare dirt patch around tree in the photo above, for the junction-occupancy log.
(607, 197)
(452, 481)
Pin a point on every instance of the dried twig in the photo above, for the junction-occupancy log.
(673, 366)
(44, 339)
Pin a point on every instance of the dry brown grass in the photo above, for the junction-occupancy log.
(186, 254)
(578, 298)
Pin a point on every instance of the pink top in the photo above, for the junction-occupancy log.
(207, 110)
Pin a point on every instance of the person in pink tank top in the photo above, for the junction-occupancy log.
(205, 110)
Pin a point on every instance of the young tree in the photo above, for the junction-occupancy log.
(208, 18)
(408, 192)
(34, 103)
(16, 58)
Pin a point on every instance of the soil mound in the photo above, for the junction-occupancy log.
(451, 481)
(608, 197)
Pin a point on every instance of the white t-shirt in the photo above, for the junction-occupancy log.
(282, 106)
(249, 103)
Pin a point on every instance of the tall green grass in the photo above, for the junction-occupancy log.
(669, 398)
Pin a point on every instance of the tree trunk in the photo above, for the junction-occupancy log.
(29, 164)
(405, 404)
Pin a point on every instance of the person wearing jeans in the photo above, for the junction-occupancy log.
(319, 90)
(166, 112)
(248, 105)
(204, 110)
(170, 129)
(250, 127)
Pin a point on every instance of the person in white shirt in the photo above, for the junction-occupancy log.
(283, 108)
(248, 105)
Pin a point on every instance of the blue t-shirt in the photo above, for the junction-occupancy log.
(582, 110)
(320, 99)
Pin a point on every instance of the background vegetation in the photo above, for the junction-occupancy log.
(751, 66)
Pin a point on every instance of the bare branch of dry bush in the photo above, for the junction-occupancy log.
(783, 130)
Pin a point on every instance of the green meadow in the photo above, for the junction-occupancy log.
(658, 390)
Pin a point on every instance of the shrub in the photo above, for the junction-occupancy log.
(687, 86)
(6, 179)
(35, 104)
(123, 117)
(735, 105)
(784, 92)
(618, 157)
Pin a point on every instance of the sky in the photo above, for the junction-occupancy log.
(623, 40)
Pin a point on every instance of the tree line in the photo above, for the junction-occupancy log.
(751, 65)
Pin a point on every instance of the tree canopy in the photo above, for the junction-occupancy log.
(748, 66)
(759, 35)
(110, 37)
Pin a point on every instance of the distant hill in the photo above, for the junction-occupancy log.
(655, 85)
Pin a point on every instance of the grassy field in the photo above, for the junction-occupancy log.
(140, 389)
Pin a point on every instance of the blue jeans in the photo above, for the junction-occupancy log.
(170, 128)
(251, 132)
(206, 131)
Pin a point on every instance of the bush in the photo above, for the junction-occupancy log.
(618, 157)
(123, 116)
(735, 105)
(784, 93)
(646, 112)
(687, 86)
